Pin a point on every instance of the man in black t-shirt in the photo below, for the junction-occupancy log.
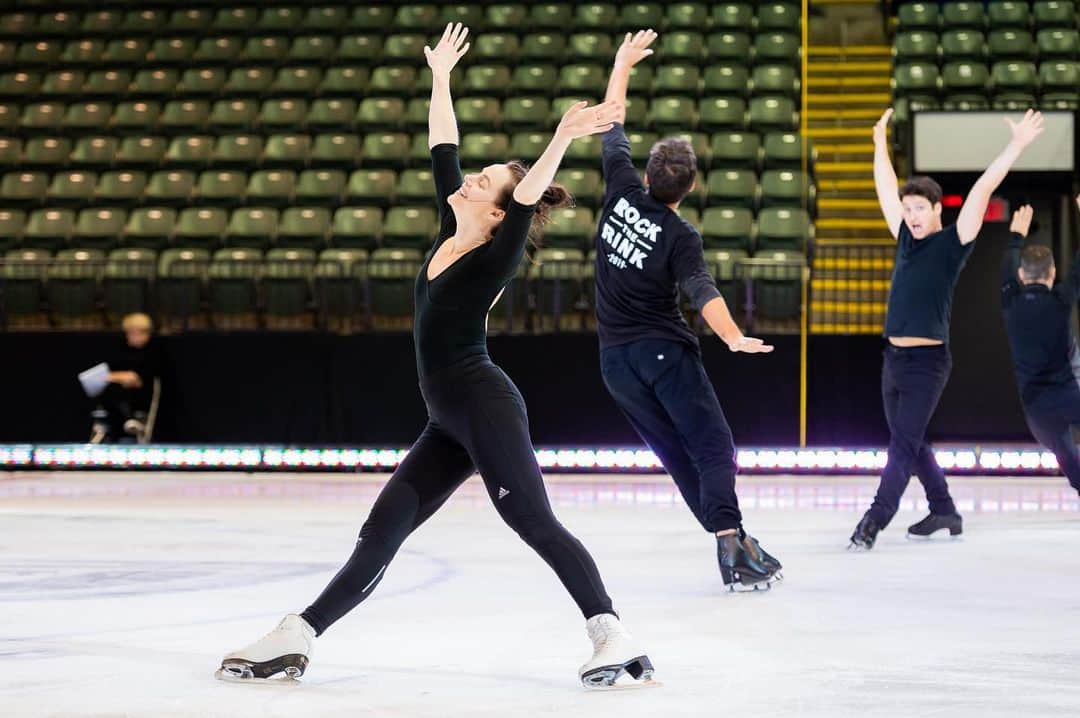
(121, 410)
(917, 364)
(1038, 320)
(649, 356)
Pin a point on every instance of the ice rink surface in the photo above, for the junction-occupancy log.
(120, 592)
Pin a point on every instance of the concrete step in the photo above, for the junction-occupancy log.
(846, 67)
(827, 327)
(844, 151)
(844, 52)
(836, 170)
(870, 83)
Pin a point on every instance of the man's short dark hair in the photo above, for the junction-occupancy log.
(922, 187)
(671, 169)
(1036, 261)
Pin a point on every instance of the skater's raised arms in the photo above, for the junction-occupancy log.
(442, 125)
(971, 216)
(885, 182)
(633, 50)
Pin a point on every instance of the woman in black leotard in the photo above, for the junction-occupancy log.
(477, 418)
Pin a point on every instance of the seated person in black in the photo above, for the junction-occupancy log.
(122, 408)
(476, 416)
(917, 364)
(1038, 320)
(650, 358)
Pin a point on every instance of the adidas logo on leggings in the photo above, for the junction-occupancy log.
(503, 493)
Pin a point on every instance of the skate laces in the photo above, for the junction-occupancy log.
(602, 632)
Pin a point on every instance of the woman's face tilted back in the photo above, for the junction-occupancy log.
(475, 204)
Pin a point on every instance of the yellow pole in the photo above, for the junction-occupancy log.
(804, 329)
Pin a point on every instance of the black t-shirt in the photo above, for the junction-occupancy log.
(146, 362)
(644, 253)
(452, 309)
(1038, 320)
(924, 277)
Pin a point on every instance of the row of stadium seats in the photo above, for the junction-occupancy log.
(993, 14)
(347, 82)
(779, 225)
(404, 17)
(403, 49)
(1007, 85)
(237, 284)
(1002, 44)
(296, 151)
(190, 116)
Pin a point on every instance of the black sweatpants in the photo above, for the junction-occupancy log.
(662, 389)
(477, 422)
(1051, 413)
(912, 380)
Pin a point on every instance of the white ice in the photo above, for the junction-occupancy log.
(120, 592)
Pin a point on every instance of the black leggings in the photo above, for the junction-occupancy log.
(477, 422)
(1051, 414)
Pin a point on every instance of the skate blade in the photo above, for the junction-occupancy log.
(934, 536)
(756, 587)
(229, 677)
(859, 547)
(639, 669)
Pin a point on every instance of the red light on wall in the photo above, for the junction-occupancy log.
(952, 200)
(997, 210)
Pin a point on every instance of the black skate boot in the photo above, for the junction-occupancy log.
(741, 565)
(934, 523)
(865, 534)
(769, 561)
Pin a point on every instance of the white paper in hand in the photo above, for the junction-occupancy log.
(95, 379)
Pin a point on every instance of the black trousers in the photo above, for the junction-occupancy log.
(912, 379)
(662, 389)
(477, 422)
(1051, 414)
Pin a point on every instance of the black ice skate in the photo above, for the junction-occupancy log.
(865, 534)
(933, 523)
(742, 564)
(769, 561)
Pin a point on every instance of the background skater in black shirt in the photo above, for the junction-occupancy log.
(917, 363)
(1046, 358)
(650, 358)
(477, 419)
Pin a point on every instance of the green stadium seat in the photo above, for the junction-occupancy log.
(528, 146)
(221, 187)
(193, 151)
(359, 50)
(777, 284)
(557, 277)
(729, 47)
(178, 51)
(494, 48)
(784, 150)
(182, 116)
(640, 145)
(128, 281)
(784, 228)
(8, 50)
(678, 80)
(371, 18)
(201, 227)
(917, 79)
(963, 44)
(776, 80)
(237, 151)
(386, 149)
(1011, 44)
(404, 49)
(418, 18)
(234, 114)
(9, 116)
(23, 189)
(772, 113)
(16, 25)
(312, 49)
(916, 45)
(733, 17)
(728, 228)
(672, 113)
(1009, 13)
(419, 153)
(391, 276)
(477, 113)
(357, 227)
(572, 228)
(335, 149)
(331, 114)
(471, 16)
(282, 114)
(551, 16)
(158, 83)
(204, 81)
(218, 50)
(232, 292)
(107, 84)
(170, 187)
(726, 79)
(919, 16)
(272, 187)
(1058, 81)
(350, 81)
(286, 150)
(1014, 85)
(584, 152)
(40, 53)
(736, 150)
(45, 152)
(780, 16)
(733, 188)
(487, 80)
(409, 227)
(788, 188)
(595, 16)
(374, 187)
(320, 186)
(1054, 13)
(252, 227)
(393, 80)
(150, 227)
(248, 81)
(533, 79)
(963, 14)
(725, 267)
(340, 285)
(779, 47)
(583, 81)
(83, 117)
(682, 46)
(126, 52)
(10, 151)
(415, 187)
(23, 278)
(687, 15)
(287, 280)
(180, 282)
(63, 84)
(546, 47)
(84, 53)
(265, 50)
(964, 81)
(507, 17)
(275, 20)
(123, 187)
(141, 152)
(296, 81)
(143, 22)
(19, 85)
(523, 113)
(481, 148)
(190, 21)
(584, 184)
(1058, 43)
(98, 228)
(48, 229)
(72, 286)
(303, 227)
(42, 117)
(12, 222)
(71, 188)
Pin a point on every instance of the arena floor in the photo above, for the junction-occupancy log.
(120, 592)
